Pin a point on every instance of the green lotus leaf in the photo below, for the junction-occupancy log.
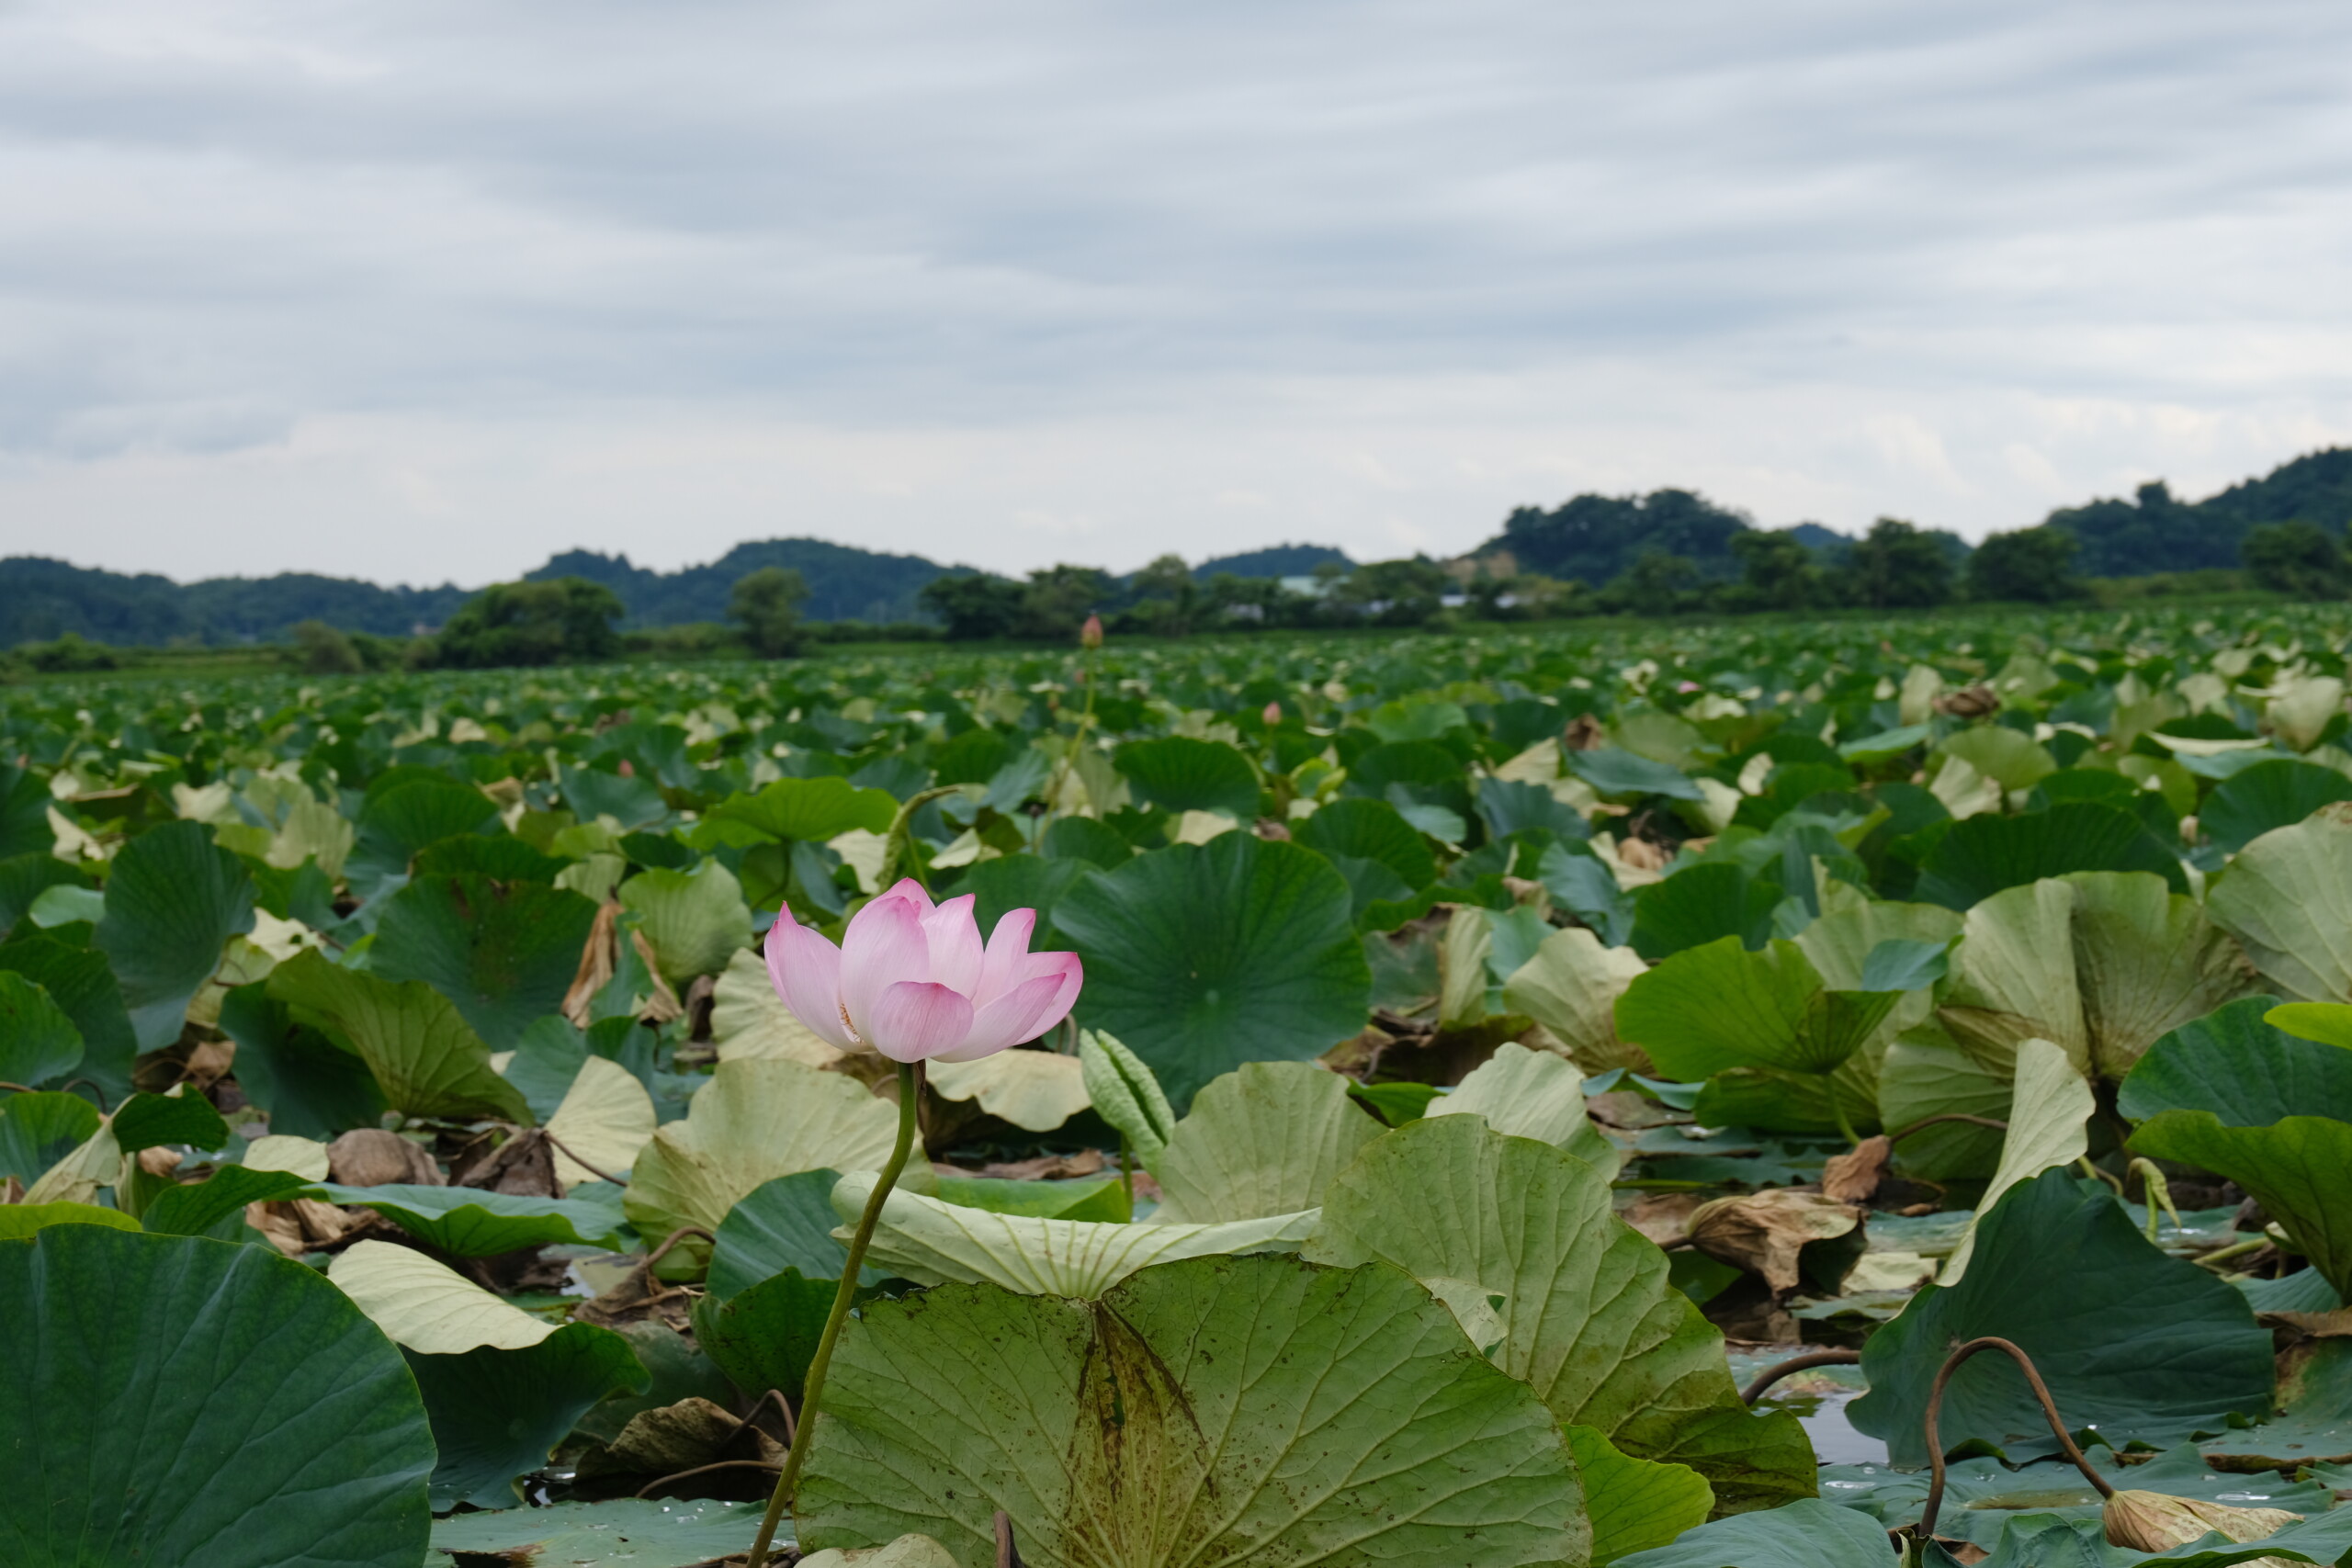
(1124, 1093)
(79, 981)
(1634, 1504)
(1202, 957)
(39, 1130)
(1283, 1413)
(1807, 1533)
(1370, 830)
(428, 1307)
(173, 902)
(627, 1532)
(1587, 1314)
(2238, 1064)
(1531, 1094)
(1612, 771)
(18, 1220)
(1259, 1142)
(2272, 795)
(425, 1056)
(24, 813)
(38, 1043)
(765, 1337)
(404, 819)
(2009, 758)
(1981, 855)
(1100, 1198)
(929, 1242)
(697, 921)
(1176, 773)
(502, 858)
(216, 1206)
(592, 792)
(1924, 1074)
(2288, 899)
(2050, 1117)
(1700, 904)
(470, 1221)
(784, 1223)
(505, 953)
(497, 1413)
(753, 1122)
(2142, 1346)
(2299, 1168)
(1711, 1007)
(1570, 985)
(2328, 1022)
(307, 1085)
(275, 1423)
(809, 810)
(2312, 1423)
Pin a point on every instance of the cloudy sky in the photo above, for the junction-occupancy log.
(425, 290)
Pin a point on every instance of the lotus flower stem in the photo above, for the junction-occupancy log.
(787, 1480)
(1935, 1502)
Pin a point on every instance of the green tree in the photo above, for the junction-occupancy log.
(560, 621)
(767, 604)
(1168, 602)
(2295, 557)
(2033, 566)
(1395, 593)
(1657, 583)
(1056, 599)
(1899, 566)
(1778, 573)
(322, 650)
(973, 606)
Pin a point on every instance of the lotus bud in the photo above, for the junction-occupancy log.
(2156, 1521)
(1089, 636)
(1272, 715)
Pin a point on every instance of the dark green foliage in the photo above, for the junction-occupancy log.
(320, 650)
(766, 604)
(2297, 557)
(1596, 538)
(1899, 566)
(558, 621)
(2033, 566)
(1778, 571)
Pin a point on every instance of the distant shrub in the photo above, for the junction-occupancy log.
(320, 650)
(561, 621)
(69, 655)
(2300, 558)
(766, 604)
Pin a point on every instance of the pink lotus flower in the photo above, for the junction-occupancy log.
(912, 980)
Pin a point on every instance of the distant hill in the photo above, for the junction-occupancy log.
(41, 599)
(1594, 538)
(1275, 560)
(844, 583)
(2156, 530)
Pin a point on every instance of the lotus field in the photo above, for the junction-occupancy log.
(1757, 1097)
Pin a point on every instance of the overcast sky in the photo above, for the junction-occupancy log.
(425, 290)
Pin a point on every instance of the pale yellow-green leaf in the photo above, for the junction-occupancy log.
(907, 1552)
(931, 1243)
(313, 829)
(595, 877)
(1570, 985)
(605, 1119)
(1264, 1140)
(1531, 1094)
(1922, 684)
(2288, 899)
(696, 920)
(750, 1023)
(1036, 1090)
(2012, 977)
(2002, 754)
(2147, 961)
(2049, 1125)
(863, 852)
(94, 1162)
(1462, 968)
(304, 1157)
(2301, 710)
(427, 1306)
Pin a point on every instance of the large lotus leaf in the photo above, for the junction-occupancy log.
(425, 1056)
(1869, 945)
(1586, 1313)
(1099, 1199)
(498, 1413)
(1807, 1533)
(38, 1043)
(2288, 899)
(467, 1222)
(1981, 855)
(400, 820)
(606, 1119)
(810, 810)
(1925, 1075)
(307, 1085)
(2009, 758)
(1702, 904)
(2299, 1168)
(1204, 956)
(2013, 979)
(2312, 1424)
(1530, 1094)
(505, 953)
(1709, 1008)
(1235, 1410)
(427, 1306)
(1176, 773)
(83, 986)
(2049, 1125)
(2147, 961)
(1610, 770)
(173, 902)
(2142, 1346)
(1570, 985)
(1261, 1141)
(929, 1241)
(627, 1532)
(1370, 830)
(2245, 1069)
(18, 1220)
(24, 813)
(697, 921)
(25, 878)
(753, 1122)
(268, 1421)
(216, 1206)
(1037, 1090)
(2276, 794)
(592, 792)
(784, 1223)
(1634, 1504)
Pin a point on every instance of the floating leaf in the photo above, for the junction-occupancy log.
(624, 1533)
(1284, 1413)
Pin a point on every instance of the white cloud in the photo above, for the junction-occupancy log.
(429, 290)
